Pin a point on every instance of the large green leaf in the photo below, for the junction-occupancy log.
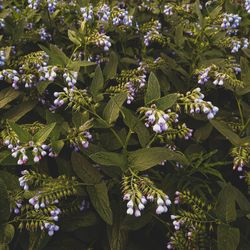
(228, 237)
(99, 198)
(6, 233)
(137, 126)
(17, 112)
(226, 207)
(111, 67)
(153, 89)
(226, 131)
(110, 159)
(112, 109)
(146, 158)
(7, 95)
(97, 82)
(166, 101)
(44, 133)
(4, 203)
(84, 169)
(23, 135)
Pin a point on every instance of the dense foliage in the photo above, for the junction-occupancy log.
(124, 124)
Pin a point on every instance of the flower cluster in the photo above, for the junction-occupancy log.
(100, 40)
(70, 77)
(247, 6)
(87, 12)
(230, 23)
(120, 16)
(158, 119)
(193, 103)
(103, 13)
(138, 191)
(237, 44)
(153, 33)
(52, 5)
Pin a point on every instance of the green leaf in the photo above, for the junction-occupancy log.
(6, 233)
(76, 65)
(166, 101)
(137, 126)
(146, 158)
(228, 237)
(19, 111)
(73, 37)
(44, 133)
(42, 86)
(113, 107)
(225, 207)
(179, 38)
(202, 133)
(84, 169)
(227, 132)
(72, 223)
(22, 134)
(110, 68)
(99, 198)
(97, 82)
(110, 159)
(153, 89)
(4, 203)
(57, 146)
(7, 95)
(10, 180)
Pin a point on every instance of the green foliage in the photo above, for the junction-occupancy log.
(124, 125)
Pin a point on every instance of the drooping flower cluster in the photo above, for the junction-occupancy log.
(237, 44)
(168, 10)
(193, 103)
(138, 190)
(231, 23)
(44, 35)
(241, 155)
(152, 33)
(219, 75)
(100, 40)
(120, 16)
(80, 137)
(87, 12)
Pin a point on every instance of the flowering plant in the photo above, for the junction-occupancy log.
(121, 119)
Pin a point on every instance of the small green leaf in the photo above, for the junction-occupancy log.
(7, 95)
(153, 89)
(84, 169)
(166, 101)
(146, 158)
(22, 134)
(97, 82)
(228, 237)
(73, 37)
(4, 203)
(113, 107)
(57, 146)
(109, 159)
(110, 68)
(99, 198)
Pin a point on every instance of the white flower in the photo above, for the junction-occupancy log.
(130, 211)
(141, 206)
(157, 128)
(137, 213)
(160, 201)
(130, 204)
(160, 210)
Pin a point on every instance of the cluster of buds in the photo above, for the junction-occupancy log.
(80, 137)
(120, 16)
(75, 98)
(138, 190)
(241, 156)
(193, 103)
(168, 10)
(33, 4)
(70, 77)
(158, 119)
(2, 23)
(87, 12)
(2, 58)
(44, 35)
(230, 23)
(52, 5)
(100, 40)
(131, 81)
(103, 13)
(12, 76)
